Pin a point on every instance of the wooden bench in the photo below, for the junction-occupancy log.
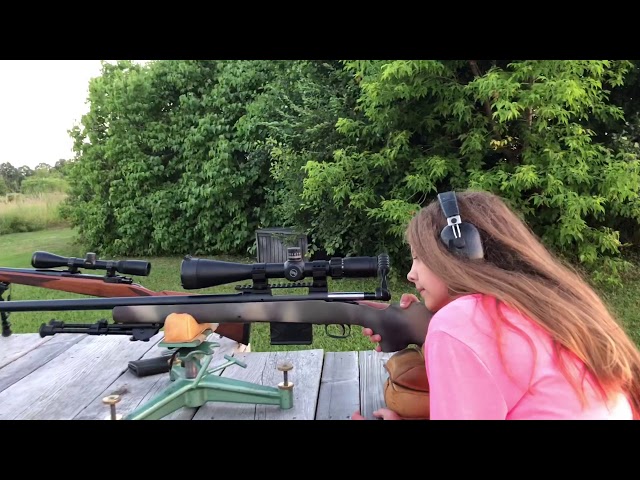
(67, 376)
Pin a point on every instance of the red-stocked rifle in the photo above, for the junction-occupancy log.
(72, 280)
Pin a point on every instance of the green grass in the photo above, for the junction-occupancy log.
(624, 301)
(29, 213)
(16, 250)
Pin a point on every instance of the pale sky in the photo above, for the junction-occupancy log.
(39, 101)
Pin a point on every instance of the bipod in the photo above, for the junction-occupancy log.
(6, 325)
(193, 384)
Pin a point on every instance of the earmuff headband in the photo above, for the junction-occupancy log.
(449, 206)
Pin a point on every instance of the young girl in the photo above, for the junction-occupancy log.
(516, 334)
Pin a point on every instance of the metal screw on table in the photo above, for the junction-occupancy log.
(111, 400)
(285, 367)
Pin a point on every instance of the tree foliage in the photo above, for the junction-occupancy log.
(162, 165)
(194, 156)
(517, 128)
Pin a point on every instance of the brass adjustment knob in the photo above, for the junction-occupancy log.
(111, 400)
(285, 367)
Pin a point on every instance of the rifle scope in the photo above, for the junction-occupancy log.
(126, 267)
(203, 273)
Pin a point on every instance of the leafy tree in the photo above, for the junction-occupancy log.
(161, 166)
(517, 128)
(25, 171)
(193, 156)
(294, 123)
(11, 175)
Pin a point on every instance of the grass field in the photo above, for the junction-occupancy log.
(16, 251)
(29, 213)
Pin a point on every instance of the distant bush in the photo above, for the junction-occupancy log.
(39, 185)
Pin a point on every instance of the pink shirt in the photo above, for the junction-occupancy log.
(467, 379)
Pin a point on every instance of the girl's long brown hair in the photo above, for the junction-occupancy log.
(519, 271)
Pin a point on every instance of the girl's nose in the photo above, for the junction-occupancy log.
(410, 276)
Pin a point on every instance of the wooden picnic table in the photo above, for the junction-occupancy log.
(67, 376)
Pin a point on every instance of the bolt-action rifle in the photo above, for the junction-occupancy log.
(143, 317)
(110, 285)
(188, 319)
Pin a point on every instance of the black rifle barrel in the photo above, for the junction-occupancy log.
(110, 303)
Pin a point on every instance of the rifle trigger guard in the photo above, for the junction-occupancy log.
(326, 329)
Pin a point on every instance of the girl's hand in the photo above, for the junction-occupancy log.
(381, 413)
(373, 338)
(406, 300)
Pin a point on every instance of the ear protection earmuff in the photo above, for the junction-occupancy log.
(461, 238)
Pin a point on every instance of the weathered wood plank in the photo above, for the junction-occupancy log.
(261, 369)
(306, 373)
(135, 391)
(17, 345)
(372, 378)
(64, 386)
(66, 376)
(34, 359)
(339, 394)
